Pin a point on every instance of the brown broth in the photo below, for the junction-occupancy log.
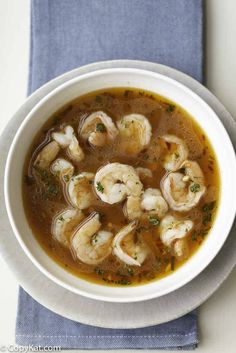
(41, 204)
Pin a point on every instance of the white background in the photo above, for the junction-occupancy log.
(218, 315)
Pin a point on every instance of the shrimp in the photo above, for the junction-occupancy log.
(89, 244)
(62, 167)
(181, 249)
(126, 249)
(115, 181)
(153, 202)
(178, 152)
(132, 208)
(64, 224)
(47, 155)
(143, 173)
(173, 232)
(98, 128)
(67, 139)
(135, 131)
(150, 203)
(79, 190)
(184, 191)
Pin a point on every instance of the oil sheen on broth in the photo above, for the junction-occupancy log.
(121, 187)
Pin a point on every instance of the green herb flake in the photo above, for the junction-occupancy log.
(99, 187)
(194, 236)
(94, 238)
(195, 187)
(124, 282)
(66, 178)
(207, 218)
(98, 99)
(154, 221)
(120, 281)
(127, 93)
(176, 155)
(130, 271)
(170, 108)
(56, 120)
(100, 127)
(208, 206)
(52, 189)
(99, 271)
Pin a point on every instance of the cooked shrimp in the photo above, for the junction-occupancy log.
(115, 181)
(135, 132)
(67, 139)
(181, 248)
(149, 203)
(178, 152)
(64, 224)
(79, 190)
(62, 167)
(153, 202)
(184, 191)
(89, 244)
(143, 173)
(126, 249)
(47, 155)
(172, 230)
(98, 128)
(153, 152)
(132, 208)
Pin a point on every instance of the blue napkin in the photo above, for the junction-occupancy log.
(67, 34)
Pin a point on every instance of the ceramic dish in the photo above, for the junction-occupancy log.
(122, 78)
(98, 313)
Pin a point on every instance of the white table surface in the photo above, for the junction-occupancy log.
(217, 316)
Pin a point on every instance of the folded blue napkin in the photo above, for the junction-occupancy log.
(67, 34)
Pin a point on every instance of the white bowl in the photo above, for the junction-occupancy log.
(104, 79)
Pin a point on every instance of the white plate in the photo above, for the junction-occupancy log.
(103, 79)
(100, 313)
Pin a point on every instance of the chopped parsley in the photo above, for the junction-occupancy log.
(51, 186)
(208, 206)
(122, 281)
(98, 99)
(154, 221)
(194, 236)
(145, 157)
(195, 187)
(100, 127)
(66, 178)
(99, 187)
(170, 108)
(130, 271)
(99, 271)
(207, 219)
(127, 93)
(94, 238)
(52, 189)
(176, 155)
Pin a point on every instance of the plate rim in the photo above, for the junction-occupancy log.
(24, 279)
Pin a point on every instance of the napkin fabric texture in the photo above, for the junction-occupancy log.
(68, 34)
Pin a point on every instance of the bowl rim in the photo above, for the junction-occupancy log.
(20, 131)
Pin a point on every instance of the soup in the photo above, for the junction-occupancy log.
(121, 187)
